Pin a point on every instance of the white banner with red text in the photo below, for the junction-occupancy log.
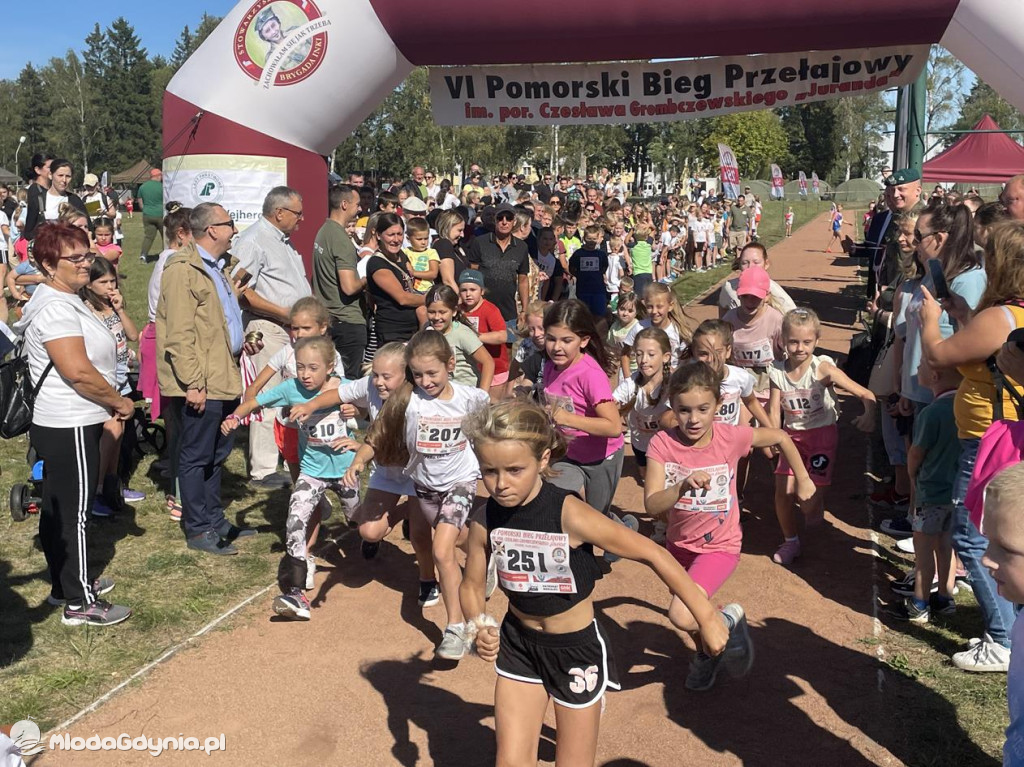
(730, 172)
(676, 90)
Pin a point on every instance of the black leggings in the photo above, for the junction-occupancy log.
(71, 465)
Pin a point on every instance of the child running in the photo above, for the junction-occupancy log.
(550, 645)
(803, 399)
(712, 345)
(664, 312)
(579, 399)
(420, 426)
(473, 365)
(380, 509)
(324, 456)
(628, 313)
(642, 397)
(757, 329)
(526, 371)
(691, 477)
(485, 318)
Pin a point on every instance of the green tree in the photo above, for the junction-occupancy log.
(944, 83)
(188, 41)
(77, 111)
(814, 138)
(983, 100)
(756, 138)
(33, 105)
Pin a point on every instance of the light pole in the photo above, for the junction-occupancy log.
(21, 140)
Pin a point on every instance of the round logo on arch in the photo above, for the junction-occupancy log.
(281, 42)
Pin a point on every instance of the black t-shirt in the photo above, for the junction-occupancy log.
(501, 270)
(394, 322)
(588, 267)
(454, 253)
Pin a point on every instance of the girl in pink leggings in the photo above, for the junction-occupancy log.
(691, 477)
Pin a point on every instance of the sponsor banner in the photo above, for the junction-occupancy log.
(730, 172)
(675, 90)
(237, 182)
(274, 66)
(778, 183)
(815, 183)
(803, 184)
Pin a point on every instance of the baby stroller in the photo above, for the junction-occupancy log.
(141, 437)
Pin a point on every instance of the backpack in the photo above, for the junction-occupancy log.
(18, 395)
(1002, 445)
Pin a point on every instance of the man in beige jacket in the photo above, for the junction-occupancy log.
(199, 337)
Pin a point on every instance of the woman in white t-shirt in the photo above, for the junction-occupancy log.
(65, 343)
(753, 254)
(59, 191)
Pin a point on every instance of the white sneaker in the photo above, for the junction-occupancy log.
(906, 545)
(310, 572)
(983, 655)
(453, 644)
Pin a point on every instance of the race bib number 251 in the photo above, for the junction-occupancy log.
(533, 562)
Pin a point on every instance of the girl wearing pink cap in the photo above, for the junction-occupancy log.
(803, 402)
(757, 329)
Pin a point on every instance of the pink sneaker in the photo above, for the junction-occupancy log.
(787, 552)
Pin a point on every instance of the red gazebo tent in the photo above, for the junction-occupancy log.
(982, 158)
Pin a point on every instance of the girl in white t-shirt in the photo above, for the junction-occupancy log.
(421, 426)
(712, 344)
(803, 402)
(618, 266)
(309, 317)
(381, 508)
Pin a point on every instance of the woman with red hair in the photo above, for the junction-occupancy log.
(72, 358)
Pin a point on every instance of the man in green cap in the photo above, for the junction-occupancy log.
(268, 27)
(902, 195)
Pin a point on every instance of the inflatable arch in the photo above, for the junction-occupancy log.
(280, 83)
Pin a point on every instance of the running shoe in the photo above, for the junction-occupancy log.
(963, 581)
(703, 671)
(983, 655)
(897, 527)
(905, 545)
(905, 585)
(739, 650)
(99, 613)
(453, 644)
(787, 552)
(430, 593)
(908, 610)
(889, 499)
(292, 605)
(940, 605)
(101, 509)
(132, 496)
(100, 586)
(626, 521)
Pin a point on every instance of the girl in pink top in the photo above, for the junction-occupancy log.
(691, 477)
(105, 245)
(579, 398)
(757, 329)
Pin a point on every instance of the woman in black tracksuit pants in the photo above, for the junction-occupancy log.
(77, 355)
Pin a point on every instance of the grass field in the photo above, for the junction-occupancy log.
(48, 671)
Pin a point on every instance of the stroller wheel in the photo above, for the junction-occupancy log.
(17, 500)
(154, 438)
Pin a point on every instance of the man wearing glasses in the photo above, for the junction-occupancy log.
(505, 263)
(277, 280)
(543, 189)
(198, 343)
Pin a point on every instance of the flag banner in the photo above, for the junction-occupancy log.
(730, 172)
(540, 94)
(815, 184)
(778, 183)
(803, 184)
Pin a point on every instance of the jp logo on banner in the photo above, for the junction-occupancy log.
(778, 183)
(815, 184)
(730, 172)
(281, 42)
(803, 184)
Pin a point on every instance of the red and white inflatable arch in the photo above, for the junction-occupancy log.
(280, 83)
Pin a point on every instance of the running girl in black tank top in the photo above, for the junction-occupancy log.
(549, 644)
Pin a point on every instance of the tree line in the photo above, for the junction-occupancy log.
(101, 108)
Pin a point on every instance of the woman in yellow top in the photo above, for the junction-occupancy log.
(981, 334)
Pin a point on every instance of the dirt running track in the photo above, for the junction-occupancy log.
(357, 685)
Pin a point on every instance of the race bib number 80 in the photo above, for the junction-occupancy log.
(533, 562)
